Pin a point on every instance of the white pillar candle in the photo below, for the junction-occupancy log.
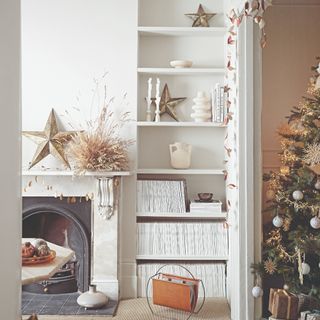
(149, 88)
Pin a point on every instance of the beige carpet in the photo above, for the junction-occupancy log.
(137, 309)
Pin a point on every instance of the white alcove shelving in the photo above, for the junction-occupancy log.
(165, 34)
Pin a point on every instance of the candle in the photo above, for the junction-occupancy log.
(149, 88)
(158, 88)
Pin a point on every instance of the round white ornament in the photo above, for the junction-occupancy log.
(270, 194)
(305, 268)
(315, 222)
(297, 195)
(286, 287)
(277, 221)
(257, 292)
(317, 185)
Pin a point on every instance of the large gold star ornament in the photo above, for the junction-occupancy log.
(168, 104)
(50, 141)
(200, 18)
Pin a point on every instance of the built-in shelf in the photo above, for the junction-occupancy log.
(181, 171)
(71, 173)
(182, 31)
(181, 71)
(180, 124)
(181, 258)
(187, 215)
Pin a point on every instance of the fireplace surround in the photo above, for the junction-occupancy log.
(65, 224)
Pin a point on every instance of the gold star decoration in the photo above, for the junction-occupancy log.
(50, 141)
(168, 104)
(270, 266)
(200, 19)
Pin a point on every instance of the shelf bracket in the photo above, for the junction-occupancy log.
(107, 196)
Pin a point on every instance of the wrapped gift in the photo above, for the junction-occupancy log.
(283, 305)
(307, 302)
(310, 315)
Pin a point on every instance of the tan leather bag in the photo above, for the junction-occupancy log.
(175, 292)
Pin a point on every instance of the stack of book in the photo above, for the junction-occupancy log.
(198, 206)
(213, 276)
(161, 196)
(184, 239)
(219, 105)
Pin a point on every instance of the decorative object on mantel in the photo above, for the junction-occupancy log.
(200, 18)
(181, 64)
(92, 299)
(202, 108)
(50, 141)
(100, 148)
(180, 155)
(168, 104)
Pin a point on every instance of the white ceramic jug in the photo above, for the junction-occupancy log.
(180, 154)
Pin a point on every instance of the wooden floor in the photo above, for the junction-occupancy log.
(137, 309)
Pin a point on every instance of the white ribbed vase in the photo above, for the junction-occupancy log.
(202, 108)
(92, 299)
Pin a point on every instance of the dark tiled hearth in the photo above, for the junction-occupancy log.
(61, 304)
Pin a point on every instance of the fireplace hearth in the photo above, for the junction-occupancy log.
(65, 224)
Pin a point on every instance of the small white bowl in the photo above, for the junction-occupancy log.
(181, 63)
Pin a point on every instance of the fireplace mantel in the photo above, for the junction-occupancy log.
(65, 173)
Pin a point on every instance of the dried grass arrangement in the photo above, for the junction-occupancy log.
(100, 147)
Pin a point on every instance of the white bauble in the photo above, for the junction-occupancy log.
(286, 287)
(277, 221)
(305, 268)
(257, 292)
(317, 185)
(315, 222)
(297, 195)
(270, 194)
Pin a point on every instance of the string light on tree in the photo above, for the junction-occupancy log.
(317, 184)
(270, 194)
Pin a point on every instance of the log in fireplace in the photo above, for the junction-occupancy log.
(65, 224)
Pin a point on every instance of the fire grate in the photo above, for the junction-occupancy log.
(61, 304)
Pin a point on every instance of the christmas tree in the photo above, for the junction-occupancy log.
(291, 247)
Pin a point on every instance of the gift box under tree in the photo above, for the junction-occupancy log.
(283, 305)
(310, 315)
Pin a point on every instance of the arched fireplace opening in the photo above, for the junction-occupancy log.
(65, 224)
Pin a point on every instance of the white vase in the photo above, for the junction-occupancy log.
(180, 154)
(92, 299)
(202, 108)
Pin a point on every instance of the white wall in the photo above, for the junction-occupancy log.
(10, 217)
(65, 46)
(293, 44)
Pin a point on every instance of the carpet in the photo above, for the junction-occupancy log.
(137, 309)
(60, 304)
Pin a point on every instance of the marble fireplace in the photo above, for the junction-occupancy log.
(88, 224)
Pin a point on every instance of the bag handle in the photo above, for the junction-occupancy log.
(186, 269)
